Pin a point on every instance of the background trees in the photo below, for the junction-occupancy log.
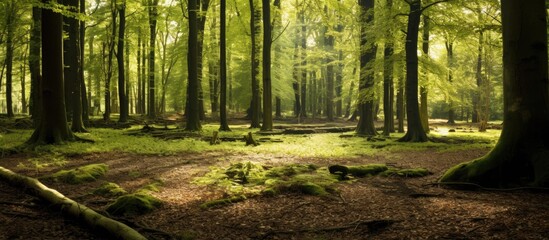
(315, 61)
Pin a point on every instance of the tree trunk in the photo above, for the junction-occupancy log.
(423, 111)
(267, 92)
(450, 51)
(303, 69)
(255, 28)
(72, 60)
(388, 86)
(110, 45)
(23, 71)
(153, 14)
(96, 221)
(400, 112)
(82, 44)
(122, 97)
(415, 131)
(53, 126)
(367, 57)
(34, 66)
(10, 25)
(520, 158)
(193, 115)
(223, 124)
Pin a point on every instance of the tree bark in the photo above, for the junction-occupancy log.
(53, 126)
(415, 131)
(520, 158)
(122, 97)
(255, 28)
(72, 52)
(267, 91)
(224, 125)
(424, 91)
(450, 52)
(193, 115)
(96, 221)
(34, 66)
(153, 14)
(388, 85)
(10, 25)
(367, 57)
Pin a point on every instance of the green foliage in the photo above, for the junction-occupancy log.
(88, 173)
(109, 190)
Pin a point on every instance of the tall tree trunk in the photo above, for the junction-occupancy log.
(388, 86)
(72, 60)
(10, 25)
(153, 14)
(144, 76)
(400, 106)
(303, 70)
(223, 124)
(450, 52)
(83, 91)
(139, 109)
(423, 89)
(520, 158)
(34, 66)
(255, 30)
(122, 97)
(23, 71)
(110, 45)
(267, 92)
(415, 131)
(53, 126)
(367, 57)
(329, 44)
(193, 115)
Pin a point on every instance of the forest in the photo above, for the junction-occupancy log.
(248, 119)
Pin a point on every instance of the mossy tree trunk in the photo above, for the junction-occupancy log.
(224, 125)
(521, 156)
(255, 26)
(96, 221)
(388, 85)
(53, 127)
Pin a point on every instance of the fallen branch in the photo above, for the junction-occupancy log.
(115, 229)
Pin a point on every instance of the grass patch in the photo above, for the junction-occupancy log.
(88, 173)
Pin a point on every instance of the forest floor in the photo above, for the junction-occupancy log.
(366, 208)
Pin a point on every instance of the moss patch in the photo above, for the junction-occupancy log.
(134, 204)
(109, 190)
(88, 173)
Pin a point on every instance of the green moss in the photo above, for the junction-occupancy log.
(367, 170)
(309, 188)
(79, 175)
(153, 187)
(409, 173)
(222, 202)
(109, 189)
(134, 204)
(245, 172)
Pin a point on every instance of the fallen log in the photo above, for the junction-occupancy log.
(114, 229)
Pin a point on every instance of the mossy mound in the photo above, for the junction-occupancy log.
(290, 170)
(408, 173)
(244, 172)
(307, 188)
(88, 173)
(137, 203)
(109, 190)
(367, 170)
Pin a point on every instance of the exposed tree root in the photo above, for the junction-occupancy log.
(114, 229)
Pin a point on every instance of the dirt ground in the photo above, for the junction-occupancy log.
(370, 208)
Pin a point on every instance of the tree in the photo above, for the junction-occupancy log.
(388, 85)
(153, 14)
(424, 91)
(193, 115)
(520, 158)
(224, 126)
(10, 20)
(53, 126)
(415, 132)
(267, 92)
(122, 97)
(34, 66)
(72, 60)
(255, 29)
(367, 57)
